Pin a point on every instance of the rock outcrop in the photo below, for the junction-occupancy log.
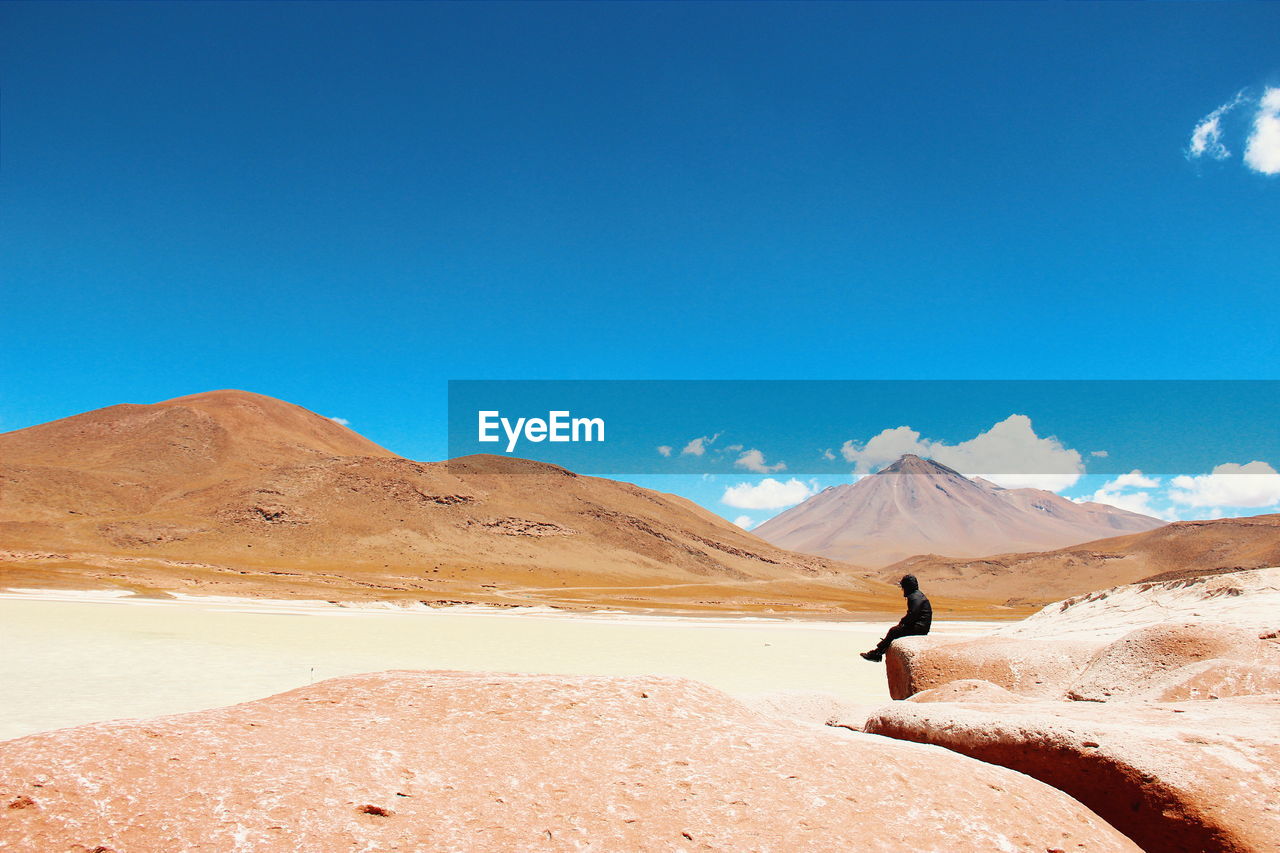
(1171, 640)
(1037, 668)
(1186, 776)
(965, 690)
(1152, 661)
(454, 761)
(1157, 705)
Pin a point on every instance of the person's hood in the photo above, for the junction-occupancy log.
(909, 584)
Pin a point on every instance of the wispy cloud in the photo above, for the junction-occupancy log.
(664, 450)
(1261, 148)
(753, 460)
(1206, 138)
(340, 421)
(699, 445)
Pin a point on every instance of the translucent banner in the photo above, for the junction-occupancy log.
(856, 427)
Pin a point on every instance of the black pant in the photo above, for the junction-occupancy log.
(894, 633)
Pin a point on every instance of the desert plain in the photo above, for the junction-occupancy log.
(87, 657)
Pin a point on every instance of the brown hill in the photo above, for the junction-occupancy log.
(236, 493)
(918, 506)
(1179, 550)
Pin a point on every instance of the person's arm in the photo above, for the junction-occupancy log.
(915, 603)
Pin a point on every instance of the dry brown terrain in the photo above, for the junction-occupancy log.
(1181, 549)
(918, 506)
(235, 493)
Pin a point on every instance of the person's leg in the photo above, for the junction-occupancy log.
(883, 646)
(894, 633)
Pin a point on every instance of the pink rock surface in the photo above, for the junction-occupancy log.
(1189, 776)
(1245, 598)
(1040, 668)
(1152, 657)
(1168, 662)
(967, 690)
(1182, 639)
(454, 761)
(1216, 679)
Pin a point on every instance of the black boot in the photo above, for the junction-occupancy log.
(871, 656)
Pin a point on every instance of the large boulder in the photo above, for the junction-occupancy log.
(965, 690)
(1153, 661)
(1110, 697)
(1029, 667)
(454, 761)
(1193, 776)
(1215, 679)
(1181, 639)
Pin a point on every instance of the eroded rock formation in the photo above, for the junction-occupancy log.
(1188, 776)
(1157, 705)
(454, 761)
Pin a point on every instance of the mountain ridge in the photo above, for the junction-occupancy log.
(1176, 551)
(231, 492)
(920, 506)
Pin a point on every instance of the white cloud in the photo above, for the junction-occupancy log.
(1222, 493)
(1135, 479)
(886, 447)
(664, 450)
(1010, 454)
(731, 448)
(767, 494)
(1231, 485)
(828, 455)
(753, 460)
(1262, 148)
(1262, 151)
(1139, 502)
(1101, 454)
(1127, 492)
(746, 522)
(699, 445)
(340, 421)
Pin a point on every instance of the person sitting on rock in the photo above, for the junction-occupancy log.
(917, 621)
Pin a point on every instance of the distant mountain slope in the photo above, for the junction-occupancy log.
(1183, 549)
(918, 506)
(233, 492)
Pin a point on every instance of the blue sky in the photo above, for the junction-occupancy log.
(345, 206)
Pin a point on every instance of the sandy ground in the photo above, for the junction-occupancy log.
(73, 658)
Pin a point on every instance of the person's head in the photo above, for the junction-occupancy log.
(909, 584)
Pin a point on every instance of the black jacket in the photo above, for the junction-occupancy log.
(919, 613)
